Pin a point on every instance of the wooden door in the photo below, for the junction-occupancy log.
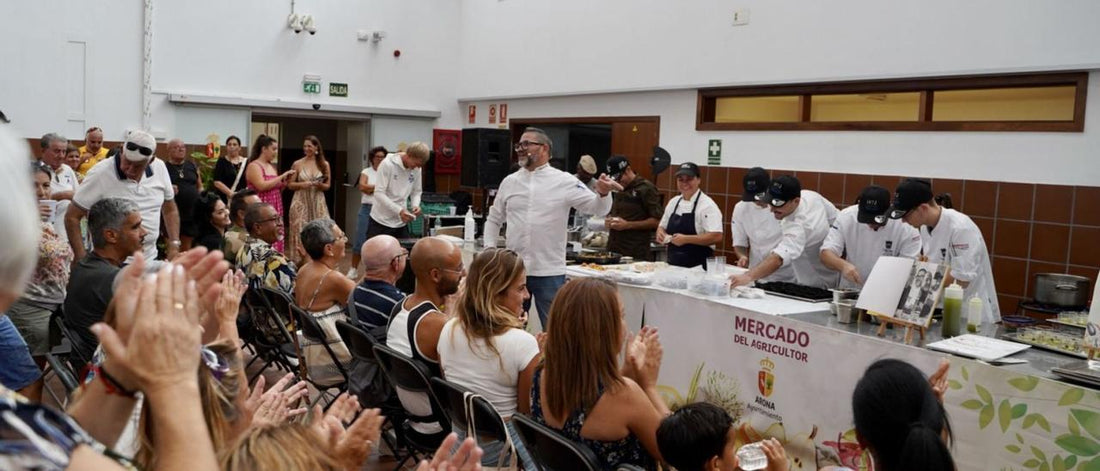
(635, 140)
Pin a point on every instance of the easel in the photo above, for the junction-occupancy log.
(884, 320)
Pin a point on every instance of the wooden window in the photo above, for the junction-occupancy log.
(1032, 102)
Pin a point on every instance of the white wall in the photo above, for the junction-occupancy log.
(1056, 158)
(523, 48)
(42, 86)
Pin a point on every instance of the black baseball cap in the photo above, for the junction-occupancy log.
(755, 184)
(616, 164)
(910, 193)
(874, 203)
(688, 168)
(784, 189)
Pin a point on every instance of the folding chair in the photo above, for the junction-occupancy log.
(410, 377)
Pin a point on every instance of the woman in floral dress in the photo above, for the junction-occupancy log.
(309, 187)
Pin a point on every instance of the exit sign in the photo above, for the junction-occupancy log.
(311, 87)
(337, 89)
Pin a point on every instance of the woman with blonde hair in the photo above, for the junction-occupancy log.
(582, 391)
(484, 347)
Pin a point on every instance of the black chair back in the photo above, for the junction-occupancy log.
(360, 344)
(550, 450)
(453, 399)
(267, 332)
(412, 377)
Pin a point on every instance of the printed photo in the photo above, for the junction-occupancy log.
(922, 293)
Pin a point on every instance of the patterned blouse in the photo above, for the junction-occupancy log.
(55, 258)
(265, 266)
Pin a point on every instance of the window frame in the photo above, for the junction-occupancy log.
(707, 97)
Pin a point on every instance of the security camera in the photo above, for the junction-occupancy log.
(309, 24)
(316, 106)
(294, 22)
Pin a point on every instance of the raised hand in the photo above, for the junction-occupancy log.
(938, 380)
(276, 405)
(466, 458)
(162, 350)
(352, 447)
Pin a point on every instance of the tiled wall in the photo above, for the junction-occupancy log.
(1028, 228)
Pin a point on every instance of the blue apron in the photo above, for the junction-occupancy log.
(688, 255)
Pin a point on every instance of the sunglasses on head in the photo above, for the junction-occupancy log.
(217, 364)
(130, 146)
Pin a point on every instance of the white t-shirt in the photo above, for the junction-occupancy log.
(372, 179)
(865, 245)
(804, 231)
(64, 179)
(708, 216)
(155, 188)
(475, 367)
(757, 228)
(396, 188)
(957, 241)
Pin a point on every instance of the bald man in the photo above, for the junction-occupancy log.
(372, 300)
(416, 321)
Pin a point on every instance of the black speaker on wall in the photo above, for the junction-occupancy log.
(486, 156)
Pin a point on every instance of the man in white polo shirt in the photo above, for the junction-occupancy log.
(134, 174)
(804, 219)
(535, 202)
(862, 233)
(952, 238)
(397, 192)
(64, 181)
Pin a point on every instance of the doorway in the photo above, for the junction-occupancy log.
(600, 137)
(339, 139)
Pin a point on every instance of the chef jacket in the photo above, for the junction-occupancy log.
(637, 202)
(535, 204)
(757, 228)
(803, 232)
(862, 246)
(957, 241)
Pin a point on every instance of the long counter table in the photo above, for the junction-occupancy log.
(791, 376)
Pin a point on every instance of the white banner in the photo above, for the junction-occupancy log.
(793, 380)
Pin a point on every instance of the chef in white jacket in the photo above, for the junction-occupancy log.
(755, 229)
(534, 201)
(951, 237)
(862, 233)
(804, 219)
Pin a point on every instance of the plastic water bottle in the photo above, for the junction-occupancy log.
(751, 457)
(952, 310)
(973, 314)
(469, 229)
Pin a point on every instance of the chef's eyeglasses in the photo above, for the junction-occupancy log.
(130, 146)
(525, 144)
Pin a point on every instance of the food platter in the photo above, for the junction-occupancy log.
(599, 258)
(1045, 346)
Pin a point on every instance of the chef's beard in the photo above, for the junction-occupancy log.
(526, 161)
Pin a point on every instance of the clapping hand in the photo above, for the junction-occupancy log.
(643, 356)
(466, 458)
(274, 407)
(161, 352)
(938, 380)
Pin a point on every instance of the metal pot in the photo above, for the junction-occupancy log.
(1061, 290)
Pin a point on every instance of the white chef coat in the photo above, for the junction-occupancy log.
(757, 228)
(862, 246)
(708, 216)
(396, 189)
(804, 231)
(535, 204)
(64, 179)
(957, 241)
(105, 180)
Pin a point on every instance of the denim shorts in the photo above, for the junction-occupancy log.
(19, 369)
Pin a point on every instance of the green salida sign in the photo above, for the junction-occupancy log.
(337, 89)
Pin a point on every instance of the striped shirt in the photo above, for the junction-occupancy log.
(373, 301)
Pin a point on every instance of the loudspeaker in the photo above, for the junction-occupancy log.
(486, 156)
